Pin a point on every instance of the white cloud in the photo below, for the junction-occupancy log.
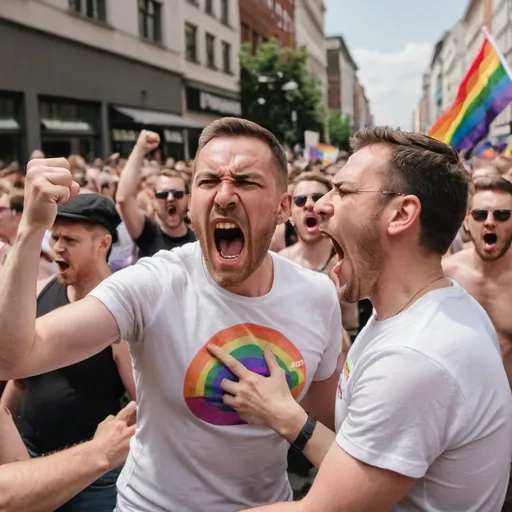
(393, 82)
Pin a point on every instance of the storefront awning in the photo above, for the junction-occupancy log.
(150, 117)
(67, 126)
(9, 124)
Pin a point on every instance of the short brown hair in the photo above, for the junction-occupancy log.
(317, 176)
(236, 127)
(171, 173)
(493, 183)
(16, 200)
(429, 169)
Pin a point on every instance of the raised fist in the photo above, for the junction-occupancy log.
(48, 183)
(148, 141)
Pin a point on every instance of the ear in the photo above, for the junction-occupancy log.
(465, 224)
(285, 206)
(404, 215)
(106, 242)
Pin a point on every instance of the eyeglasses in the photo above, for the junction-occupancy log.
(383, 192)
(480, 215)
(177, 194)
(301, 200)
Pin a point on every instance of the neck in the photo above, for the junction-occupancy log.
(180, 230)
(402, 283)
(259, 283)
(492, 268)
(79, 290)
(314, 254)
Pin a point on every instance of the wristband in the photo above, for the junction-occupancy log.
(305, 434)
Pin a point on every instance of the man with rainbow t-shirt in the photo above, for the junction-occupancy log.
(191, 451)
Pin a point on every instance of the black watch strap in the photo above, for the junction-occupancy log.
(305, 434)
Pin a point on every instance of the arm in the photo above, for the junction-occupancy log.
(44, 484)
(12, 447)
(123, 361)
(128, 188)
(12, 397)
(320, 400)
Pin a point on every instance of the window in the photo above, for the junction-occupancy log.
(94, 9)
(226, 57)
(150, 20)
(191, 42)
(224, 11)
(208, 7)
(210, 51)
(246, 33)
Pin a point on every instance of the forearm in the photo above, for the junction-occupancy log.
(130, 178)
(12, 397)
(18, 294)
(290, 506)
(320, 442)
(45, 483)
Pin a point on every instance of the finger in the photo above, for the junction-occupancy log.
(131, 430)
(230, 386)
(271, 360)
(229, 400)
(128, 414)
(57, 193)
(228, 361)
(49, 162)
(75, 189)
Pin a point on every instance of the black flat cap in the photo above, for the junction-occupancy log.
(93, 208)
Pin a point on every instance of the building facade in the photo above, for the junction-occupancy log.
(362, 114)
(86, 76)
(341, 77)
(424, 120)
(437, 80)
(262, 20)
(453, 63)
(309, 32)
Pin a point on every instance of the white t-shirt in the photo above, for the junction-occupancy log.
(425, 394)
(190, 453)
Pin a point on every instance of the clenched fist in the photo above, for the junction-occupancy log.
(48, 183)
(147, 141)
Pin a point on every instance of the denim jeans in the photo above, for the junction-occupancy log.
(100, 496)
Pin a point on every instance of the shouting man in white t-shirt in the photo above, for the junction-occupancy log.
(190, 452)
(424, 412)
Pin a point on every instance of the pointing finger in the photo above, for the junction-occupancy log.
(271, 360)
(228, 361)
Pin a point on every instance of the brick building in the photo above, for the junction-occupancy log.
(261, 20)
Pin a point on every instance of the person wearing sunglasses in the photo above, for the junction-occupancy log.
(169, 202)
(485, 268)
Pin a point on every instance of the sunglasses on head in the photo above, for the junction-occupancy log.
(177, 194)
(300, 201)
(480, 215)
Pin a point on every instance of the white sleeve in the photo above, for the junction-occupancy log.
(403, 411)
(333, 339)
(133, 296)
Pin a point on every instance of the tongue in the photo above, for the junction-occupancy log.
(231, 247)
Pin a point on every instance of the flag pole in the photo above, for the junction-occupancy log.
(492, 42)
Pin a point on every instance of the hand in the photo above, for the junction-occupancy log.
(147, 141)
(261, 400)
(48, 183)
(114, 433)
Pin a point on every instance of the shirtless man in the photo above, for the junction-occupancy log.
(313, 250)
(485, 269)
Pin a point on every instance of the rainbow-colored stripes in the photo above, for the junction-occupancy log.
(483, 93)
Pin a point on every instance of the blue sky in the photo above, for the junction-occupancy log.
(391, 42)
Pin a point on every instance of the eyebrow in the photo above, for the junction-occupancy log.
(241, 175)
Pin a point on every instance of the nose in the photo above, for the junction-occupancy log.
(489, 221)
(225, 197)
(324, 207)
(310, 204)
(170, 196)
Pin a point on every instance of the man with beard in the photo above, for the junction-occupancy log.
(169, 203)
(485, 269)
(423, 412)
(227, 289)
(63, 407)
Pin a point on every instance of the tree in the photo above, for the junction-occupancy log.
(339, 129)
(279, 93)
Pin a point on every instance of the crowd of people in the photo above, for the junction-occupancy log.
(197, 335)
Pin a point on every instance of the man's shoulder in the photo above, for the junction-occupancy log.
(459, 261)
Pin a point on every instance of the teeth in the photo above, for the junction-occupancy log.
(225, 225)
(229, 257)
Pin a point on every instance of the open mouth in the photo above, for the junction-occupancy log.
(62, 265)
(311, 222)
(339, 252)
(490, 240)
(171, 210)
(229, 240)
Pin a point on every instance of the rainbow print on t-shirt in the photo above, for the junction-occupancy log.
(245, 342)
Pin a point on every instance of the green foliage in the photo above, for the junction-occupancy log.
(280, 65)
(339, 129)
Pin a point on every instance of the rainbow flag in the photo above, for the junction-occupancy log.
(326, 153)
(483, 93)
